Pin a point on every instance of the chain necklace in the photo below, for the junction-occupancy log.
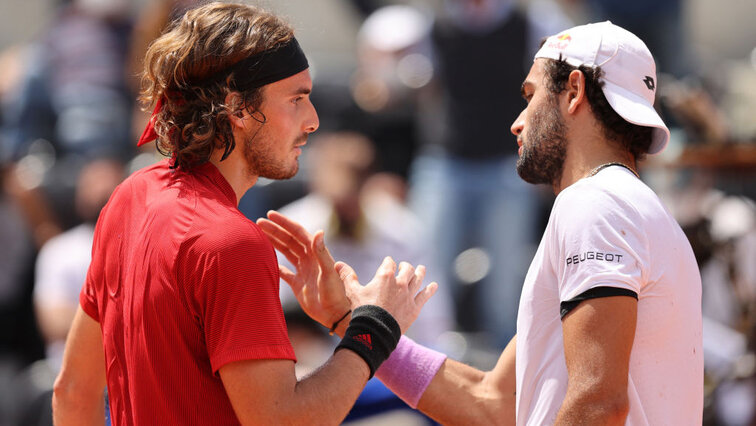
(605, 165)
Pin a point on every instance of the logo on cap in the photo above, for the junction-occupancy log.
(559, 42)
(650, 83)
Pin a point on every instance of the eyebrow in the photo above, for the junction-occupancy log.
(522, 88)
(303, 91)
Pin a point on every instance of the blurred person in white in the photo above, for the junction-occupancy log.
(363, 220)
(63, 261)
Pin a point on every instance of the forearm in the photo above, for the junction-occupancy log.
(267, 391)
(78, 393)
(460, 394)
(336, 385)
(74, 406)
(449, 391)
(593, 407)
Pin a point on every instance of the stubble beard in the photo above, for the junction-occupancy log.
(544, 146)
(261, 161)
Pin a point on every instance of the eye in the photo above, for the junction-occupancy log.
(297, 99)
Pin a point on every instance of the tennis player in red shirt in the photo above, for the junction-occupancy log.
(179, 314)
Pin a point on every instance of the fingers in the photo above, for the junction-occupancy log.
(290, 226)
(426, 294)
(347, 275)
(283, 241)
(288, 276)
(325, 260)
(414, 285)
(386, 270)
(406, 274)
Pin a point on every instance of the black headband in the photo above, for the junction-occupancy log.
(256, 71)
(264, 68)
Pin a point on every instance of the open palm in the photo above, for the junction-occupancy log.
(316, 284)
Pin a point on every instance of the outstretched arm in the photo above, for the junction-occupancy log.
(460, 394)
(456, 394)
(267, 391)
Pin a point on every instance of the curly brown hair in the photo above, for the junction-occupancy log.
(204, 42)
(634, 138)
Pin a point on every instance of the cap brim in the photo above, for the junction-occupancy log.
(637, 110)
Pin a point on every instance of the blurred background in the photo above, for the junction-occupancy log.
(413, 159)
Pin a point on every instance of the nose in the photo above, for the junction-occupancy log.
(313, 122)
(518, 125)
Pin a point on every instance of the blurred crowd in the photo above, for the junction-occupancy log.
(413, 159)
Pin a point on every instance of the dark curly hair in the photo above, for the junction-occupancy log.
(634, 138)
(204, 42)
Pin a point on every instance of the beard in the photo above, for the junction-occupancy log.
(261, 159)
(544, 146)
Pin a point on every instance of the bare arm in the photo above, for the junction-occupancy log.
(267, 391)
(78, 397)
(598, 338)
(460, 394)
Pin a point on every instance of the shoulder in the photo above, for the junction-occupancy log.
(593, 197)
(603, 205)
(231, 235)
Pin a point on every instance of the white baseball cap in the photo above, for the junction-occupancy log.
(629, 71)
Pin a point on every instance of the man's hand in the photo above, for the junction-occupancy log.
(327, 290)
(316, 285)
(395, 292)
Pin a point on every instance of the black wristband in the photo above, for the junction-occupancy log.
(372, 334)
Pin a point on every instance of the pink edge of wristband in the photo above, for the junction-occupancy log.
(409, 370)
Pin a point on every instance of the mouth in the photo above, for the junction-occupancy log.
(302, 141)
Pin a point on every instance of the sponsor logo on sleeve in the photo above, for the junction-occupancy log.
(594, 256)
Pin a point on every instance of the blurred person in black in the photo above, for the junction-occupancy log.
(463, 184)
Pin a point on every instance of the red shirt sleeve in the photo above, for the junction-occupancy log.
(231, 278)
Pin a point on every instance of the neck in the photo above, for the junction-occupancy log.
(587, 156)
(236, 171)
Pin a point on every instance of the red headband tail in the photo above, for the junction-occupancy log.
(149, 133)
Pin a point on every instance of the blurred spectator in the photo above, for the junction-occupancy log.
(19, 340)
(483, 218)
(63, 261)
(75, 93)
(363, 221)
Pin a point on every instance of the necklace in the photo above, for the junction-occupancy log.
(605, 165)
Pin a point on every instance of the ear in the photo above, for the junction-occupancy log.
(575, 91)
(234, 100)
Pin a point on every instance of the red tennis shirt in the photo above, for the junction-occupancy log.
(181, 284)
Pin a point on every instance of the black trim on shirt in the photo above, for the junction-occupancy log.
(593, 293)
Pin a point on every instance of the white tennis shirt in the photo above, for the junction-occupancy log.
(611, 230)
